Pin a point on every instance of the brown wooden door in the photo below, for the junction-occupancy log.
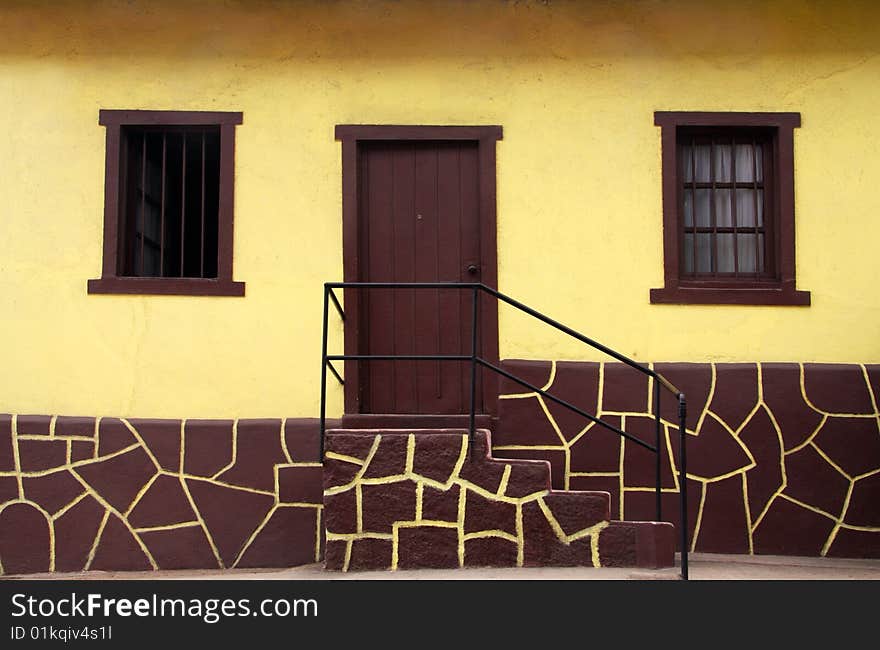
(419, 221)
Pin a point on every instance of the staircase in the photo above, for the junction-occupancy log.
(403, 493)
(424, 498)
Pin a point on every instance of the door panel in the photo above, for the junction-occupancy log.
(419, 222)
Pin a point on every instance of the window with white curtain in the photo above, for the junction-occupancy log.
(728, 208)
(724, 186)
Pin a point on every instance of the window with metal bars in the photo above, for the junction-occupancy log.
(170, 196)
(728, 208)
(726, 178)
(168, 203)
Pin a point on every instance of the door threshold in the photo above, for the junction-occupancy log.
(413, 421)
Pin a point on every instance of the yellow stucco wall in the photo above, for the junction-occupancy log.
(574, 85)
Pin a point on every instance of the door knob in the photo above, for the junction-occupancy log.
(472, 269)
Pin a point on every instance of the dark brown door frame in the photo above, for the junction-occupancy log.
(351, 135)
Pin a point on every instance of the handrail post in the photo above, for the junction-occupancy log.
(658, 454)
(323, 420)
(472, 424)
(682, 483)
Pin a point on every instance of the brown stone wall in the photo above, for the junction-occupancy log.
(782, 458)
(406, 499)
(114, 494)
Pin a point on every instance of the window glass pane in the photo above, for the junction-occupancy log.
(688, 253)
(722, 163)
(688, 208)
(687, 165)
(722, 209)
(724, 262)
(745, 166)
(704, 253)
(701, 207)
(760, 253)
(759, 160)
(760, 208)
(701, 163)
(746, 253)
(745, 208)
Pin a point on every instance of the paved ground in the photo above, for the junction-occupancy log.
(703, 566)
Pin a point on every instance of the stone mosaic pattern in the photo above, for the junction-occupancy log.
(782, 458)
(114, 494)
(419, 499)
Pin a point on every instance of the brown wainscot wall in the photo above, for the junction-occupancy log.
(783, 458)
(109, 494)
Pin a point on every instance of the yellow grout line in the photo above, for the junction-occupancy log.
(94, 548)
(318, 532)
(462, 500)
(344, 537)
(420, 489)
(709, 399)
(595, 474)
(183, 524)
(16, 456)
(253, 535)
(357, 477)
(870, 388)
(551, 420)
(760, 376)
(482, 534)
(866, 474)
(828, 542)
(807, 506)
(31, 436)
(348, 556)
(52, 422)
(182, 444)
(231, 463)
(594, 550)
(332, 455)
(809, 438)
(140, 495)
(748, 514)
(60, 512)
(520, 537)
(699, 520)
(587, 532)
(410, 453)
(68, 452)
(553, 523)
(567, 470)
(829, 461)
(214, 481)
(620, 472)
(505, 478)
(100, 499)
(140, 440)
(528, 448)
(284, 440)
(580, 434)
(201, 520)
(359, 507)
(866, 529)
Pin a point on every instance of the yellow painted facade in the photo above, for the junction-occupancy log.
(574, 85)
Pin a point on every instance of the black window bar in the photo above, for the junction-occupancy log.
(475, 360)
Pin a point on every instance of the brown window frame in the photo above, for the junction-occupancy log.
(777, 285)
(112, 281)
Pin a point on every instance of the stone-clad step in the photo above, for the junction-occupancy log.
(405, 498)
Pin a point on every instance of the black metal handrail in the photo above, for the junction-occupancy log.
(475, 360)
